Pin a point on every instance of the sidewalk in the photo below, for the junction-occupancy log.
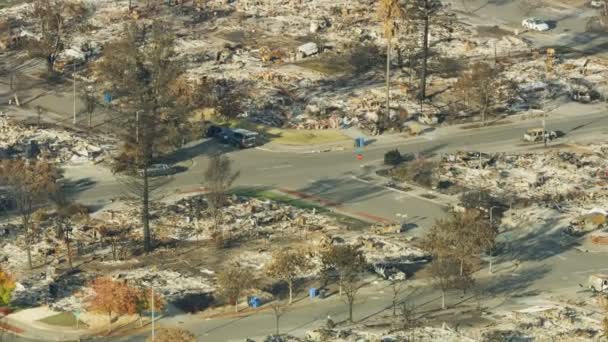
(38, 332)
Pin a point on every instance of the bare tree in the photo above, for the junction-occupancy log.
(218, 179)
(233, 280)
(90, 104)
(344, 259)
(68, 212)
(396, 289)
(423, 13)
(351, 284)
(279, 308)
(30, 183)
(288, 264)
(444, 271)
(480, 88)
(389, 12)
(142, 66)
(462, 236)
(50, 17)
(115, 235)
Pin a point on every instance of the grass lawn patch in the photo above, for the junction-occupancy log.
(292, 136)
(64, 319)
(263, 193)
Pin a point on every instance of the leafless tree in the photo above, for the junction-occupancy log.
(279, 308)
(424, 14)
(481, 88)
(444, 271)
(50, 17)
(67, 212)
(90, 104)
(351, 284)
(218, 179)
(29, 183)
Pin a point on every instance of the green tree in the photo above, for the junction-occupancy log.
(389, 13)
(142, 67)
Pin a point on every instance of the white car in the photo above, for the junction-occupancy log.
(535, 24)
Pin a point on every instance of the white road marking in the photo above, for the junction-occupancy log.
(275, 167)
(561, 257)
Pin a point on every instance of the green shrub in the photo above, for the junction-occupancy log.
(392, 157)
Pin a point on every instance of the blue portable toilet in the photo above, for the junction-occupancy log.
(360, 142)
(313, 292)
(107, 97)
(255, 302)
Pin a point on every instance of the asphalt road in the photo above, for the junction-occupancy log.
(335, 176)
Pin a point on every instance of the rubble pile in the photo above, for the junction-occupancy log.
(188, 219)
(61, 146)
(555, 322)
(558, 175)
(173, 285)
(424, 334)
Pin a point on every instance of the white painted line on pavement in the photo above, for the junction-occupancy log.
(561, 257)
(275, 167)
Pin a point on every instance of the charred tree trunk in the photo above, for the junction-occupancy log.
(425, 57)
(146, 210)
(388, 83)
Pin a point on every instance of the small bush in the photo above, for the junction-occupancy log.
(392, 157)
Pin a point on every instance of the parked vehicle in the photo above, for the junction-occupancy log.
(535, 24)
(157, 170)
(243, 138)
(598, 282)
(536, 134)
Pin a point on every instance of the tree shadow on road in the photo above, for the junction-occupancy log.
(342, 191)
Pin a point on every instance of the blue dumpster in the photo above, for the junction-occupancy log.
(313, 292)
(255, 302)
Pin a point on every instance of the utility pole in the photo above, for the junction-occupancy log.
(491, 223)
(74, 82)
(137, 126)
(152, 312)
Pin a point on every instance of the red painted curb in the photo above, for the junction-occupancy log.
(10, 328)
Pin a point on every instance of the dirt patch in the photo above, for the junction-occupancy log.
(493, 32)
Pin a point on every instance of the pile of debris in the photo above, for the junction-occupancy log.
(552, 322)
(17, 140)
(537, 176)
(171, 284)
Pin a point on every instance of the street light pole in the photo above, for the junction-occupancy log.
(152, 312)
(137, 126)
(74, 82)
(490, 254)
